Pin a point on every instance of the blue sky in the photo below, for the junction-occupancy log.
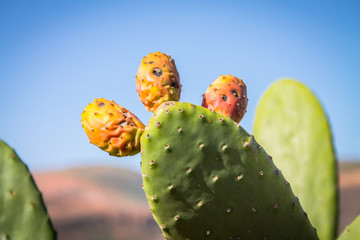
(57, 56)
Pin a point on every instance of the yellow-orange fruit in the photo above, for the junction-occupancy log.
(112, 128)
(157, 80)
(227, 95)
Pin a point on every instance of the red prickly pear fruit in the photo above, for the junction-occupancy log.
(227, 95)
(112, 128)
(157, 80)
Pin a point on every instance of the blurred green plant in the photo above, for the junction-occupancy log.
(292, 126)
(23, 214)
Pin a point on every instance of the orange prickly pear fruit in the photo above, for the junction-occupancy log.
(157, 80)
(227, 95)
(112, 128)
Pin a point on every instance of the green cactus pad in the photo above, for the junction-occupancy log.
(293, 128)
(351, 232)
(205, 177)
(22, 212)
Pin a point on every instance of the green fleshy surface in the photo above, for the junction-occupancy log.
(205, 177)
(23, 214)
(291, 125)
(351, 232)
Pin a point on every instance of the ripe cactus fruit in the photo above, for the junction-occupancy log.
(292, 125)
(23, 213)
(112, 128)
(157, 80)
(205, 177)
(227, 95)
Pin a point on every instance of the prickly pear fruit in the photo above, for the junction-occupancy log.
(227, 95)
(23, 214)
(205, 177)
(351, 232)
(292, 125)
(157, 80)
(112, 128)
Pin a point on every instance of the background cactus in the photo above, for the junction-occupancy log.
(352, 231)
(293, 128)
(205, 177)
(23, 215)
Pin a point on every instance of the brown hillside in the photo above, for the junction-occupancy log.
(102, 203)
(85, 204)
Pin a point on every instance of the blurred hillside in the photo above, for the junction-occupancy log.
(101, 203)
(97, 203)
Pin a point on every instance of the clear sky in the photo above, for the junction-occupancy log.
(57, 56)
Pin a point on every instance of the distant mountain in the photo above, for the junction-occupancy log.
(103, 203)
(97, 203)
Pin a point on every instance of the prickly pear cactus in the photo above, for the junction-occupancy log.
(293, 128)
(112, 128)
(351, 232)
(205, 177)
(23, 215)
(227, 95)
(157, 80)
